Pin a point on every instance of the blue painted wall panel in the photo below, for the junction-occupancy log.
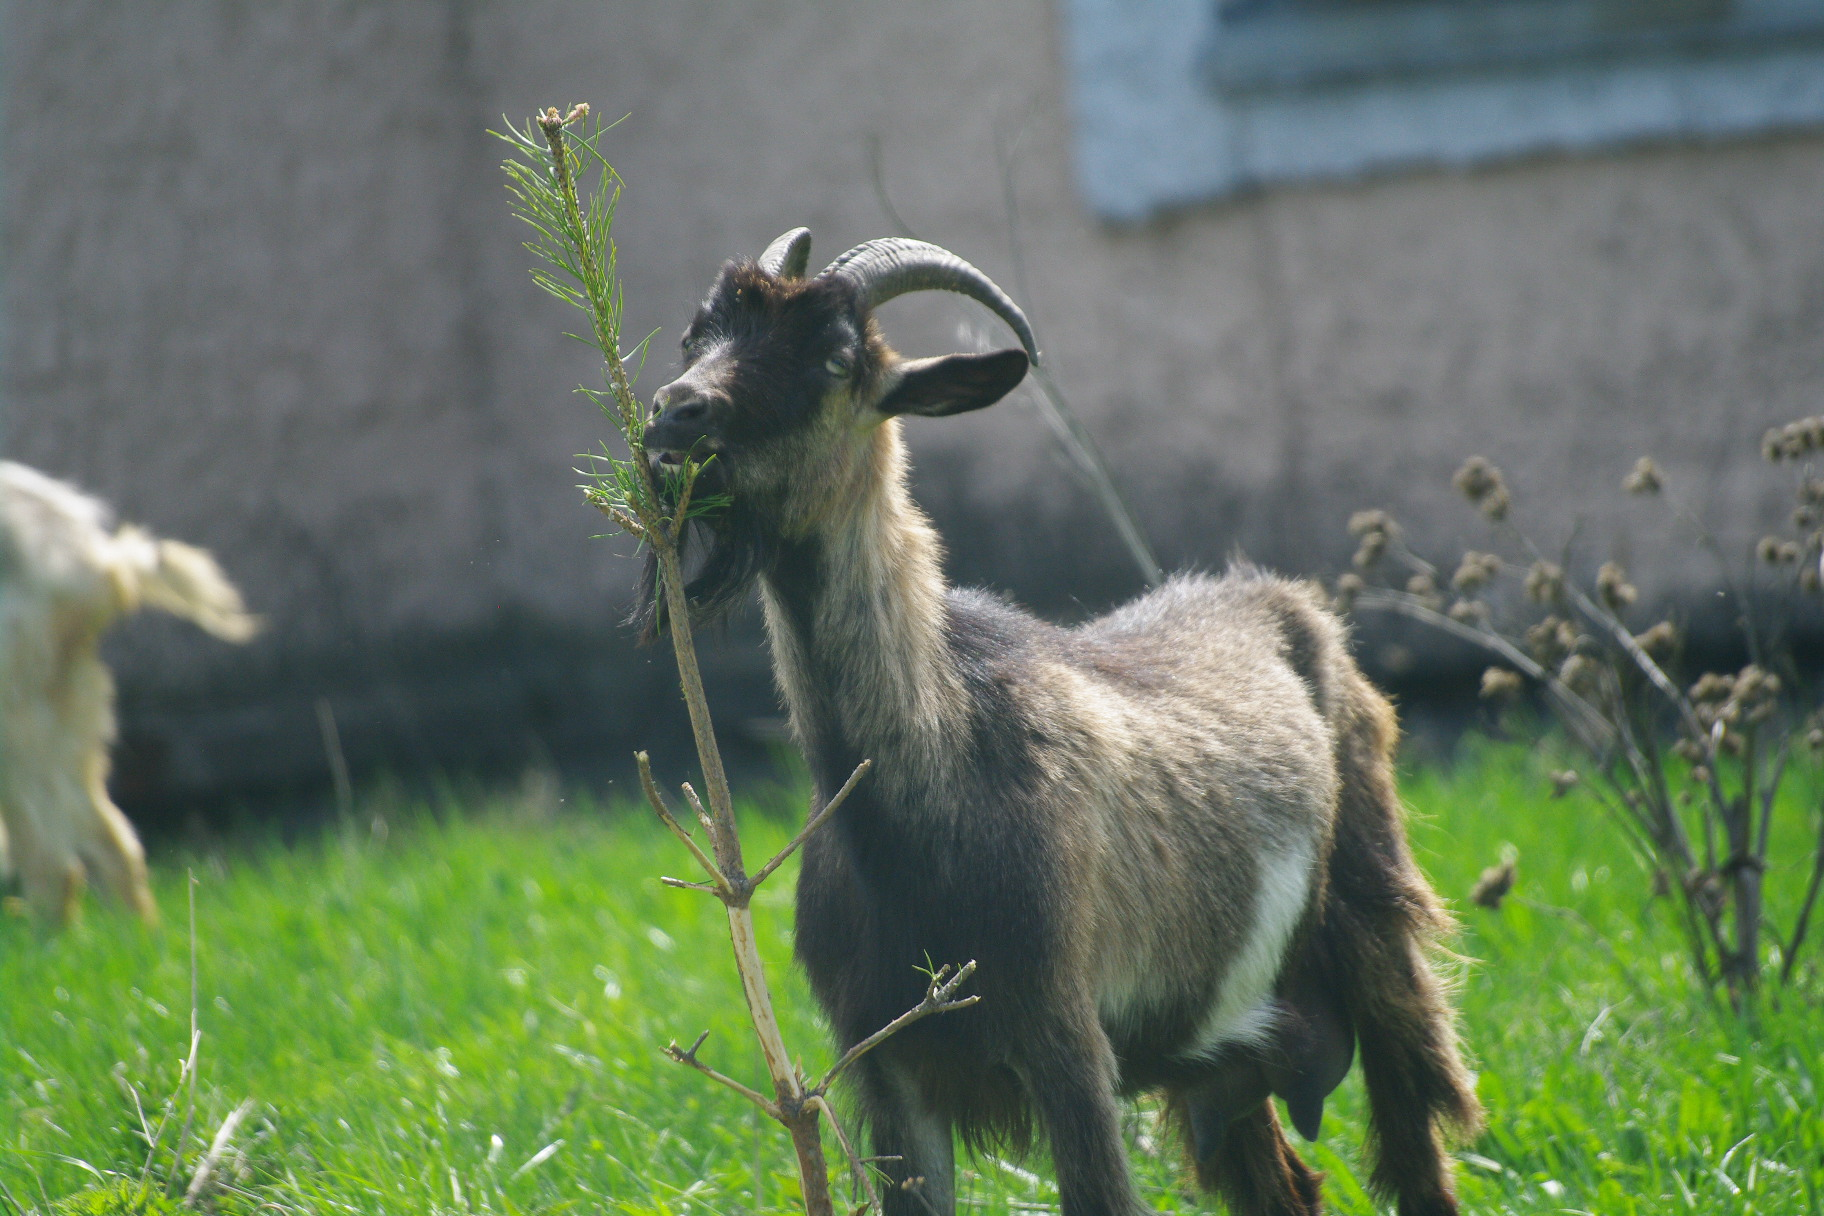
(1153, 133)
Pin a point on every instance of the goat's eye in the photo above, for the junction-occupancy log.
(837, 365)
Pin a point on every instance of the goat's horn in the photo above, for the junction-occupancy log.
(896, 265)
(786, 257)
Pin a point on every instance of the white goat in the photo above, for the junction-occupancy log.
(65, 574)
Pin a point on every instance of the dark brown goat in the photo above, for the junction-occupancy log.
(1170, 836)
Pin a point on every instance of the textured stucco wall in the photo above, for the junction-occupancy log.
(261, 290)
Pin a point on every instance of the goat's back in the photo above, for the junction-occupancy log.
(55, 541)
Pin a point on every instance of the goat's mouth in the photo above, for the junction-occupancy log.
(672, 460)
(669, 464)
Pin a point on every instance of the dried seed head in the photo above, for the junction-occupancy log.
(1804, 516)
(1613, 586)
(1482, 483)
(1564, 782)
(1689, 750)
(1579, 672)
(1475, 571)
(1469, 612)
(1494, 884)
(1793, 440)
(1711, 687)
(1545, 582)
(1373, 548)
(1552, 639)
(1476, 479)
(1705, 888)
(1376, 529)
(1347, 588)
(1812, 491)
(1497, 502)
(1645, 479)
(1659, 641)
(1425, 588)
(1500, 684)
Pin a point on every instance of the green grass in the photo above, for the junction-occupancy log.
(466, 1013)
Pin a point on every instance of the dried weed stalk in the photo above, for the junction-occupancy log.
(1700, 816)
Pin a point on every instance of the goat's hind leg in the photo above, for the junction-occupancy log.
(1246, 1159)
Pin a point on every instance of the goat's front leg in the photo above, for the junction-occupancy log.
(912, 1145)
(1069, 1069)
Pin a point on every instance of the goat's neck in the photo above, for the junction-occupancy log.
(855, 611)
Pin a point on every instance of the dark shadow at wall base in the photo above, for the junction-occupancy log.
(490, 706)
(487, 706)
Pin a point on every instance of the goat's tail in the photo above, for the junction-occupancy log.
(1381, 927)
(182, 580)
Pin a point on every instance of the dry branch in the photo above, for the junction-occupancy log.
(940, 997)
(574, 240)
(816, 821)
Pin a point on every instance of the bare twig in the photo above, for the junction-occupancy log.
(703, 816)
(1621, 636)
(811, 825)
(684, 884)
(677, 829)
(196, 1038)
(688, 1056)
(857, 1167)
(1811, 900)
(224, 1136)
(1584, 716)
(940, 997)
(632, 526)
(877, 171)
(1769, 789)
(338, 763)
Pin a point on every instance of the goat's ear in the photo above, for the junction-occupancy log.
(954, 384)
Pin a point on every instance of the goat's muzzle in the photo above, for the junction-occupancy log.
(684, 423)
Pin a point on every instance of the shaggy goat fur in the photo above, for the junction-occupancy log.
(1169, 836)
(65, 575)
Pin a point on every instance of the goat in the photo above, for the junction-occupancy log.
(65, 574)
(1169, 836)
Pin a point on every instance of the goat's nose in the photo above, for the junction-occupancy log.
(679, 403)
(686, 410)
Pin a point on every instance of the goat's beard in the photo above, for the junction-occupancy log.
(722, 555)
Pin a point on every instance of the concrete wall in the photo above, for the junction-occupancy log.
(261, 289)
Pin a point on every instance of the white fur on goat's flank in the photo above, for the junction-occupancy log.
(66, 573)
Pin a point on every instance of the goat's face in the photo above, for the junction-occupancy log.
(784, 383)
